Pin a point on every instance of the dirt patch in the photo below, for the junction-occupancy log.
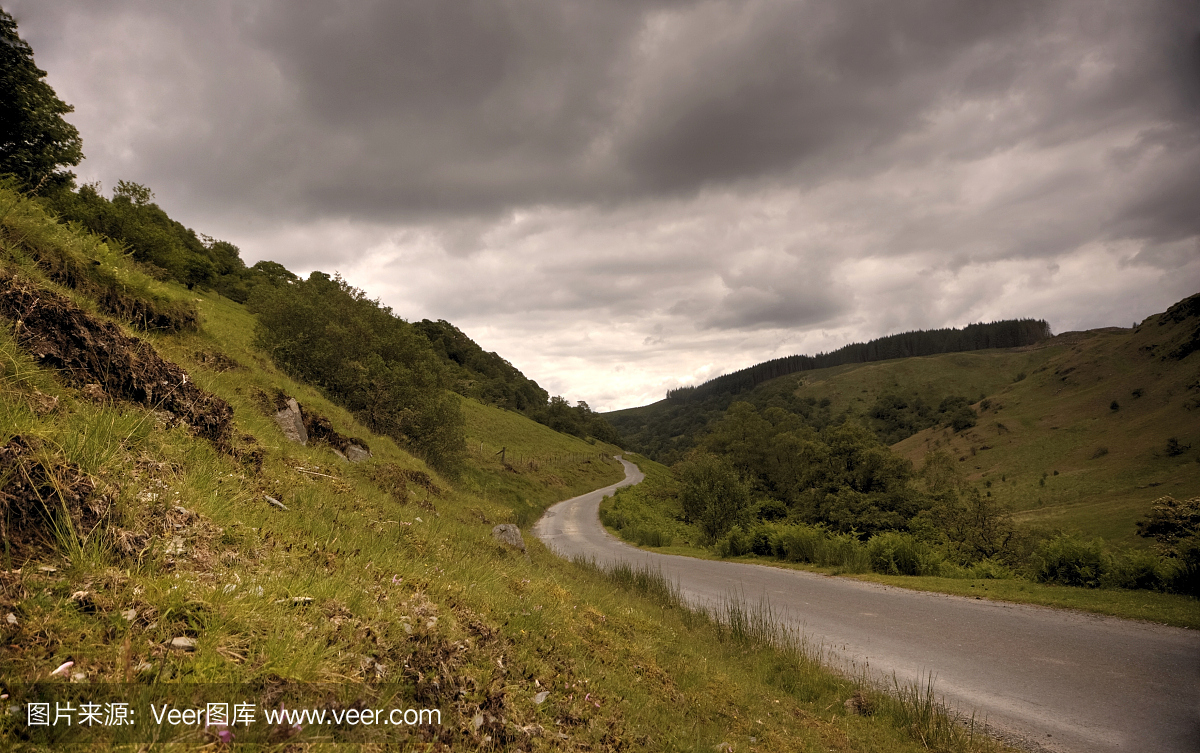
(215, 361)
(320, 429)
(37, 500)
(86, 351)
(397, 481)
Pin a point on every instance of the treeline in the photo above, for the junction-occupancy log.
(331, 335)
(476, 373)
(163, 247)
(1010, 333)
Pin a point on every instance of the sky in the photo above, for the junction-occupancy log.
(623, 197)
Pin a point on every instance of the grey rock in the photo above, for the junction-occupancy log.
(184, 643)
(291, 422)
(276, 502)
(507, 533)
(356, 454)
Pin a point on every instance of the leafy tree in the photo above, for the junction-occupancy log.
(711, 494)
(331, 335)
(971, 526)
(1171, 521)
(35, 141)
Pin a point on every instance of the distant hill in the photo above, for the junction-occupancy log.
(1010, 333)
(668, 428)
(1079, 431)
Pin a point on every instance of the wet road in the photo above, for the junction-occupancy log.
(1065, 680)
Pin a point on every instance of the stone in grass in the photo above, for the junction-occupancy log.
(356, 454)
(507, 533)
(183, 643)
(291, 422)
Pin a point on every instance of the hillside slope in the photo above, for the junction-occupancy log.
(153, 555)
(1107, 423)
(1079, 432)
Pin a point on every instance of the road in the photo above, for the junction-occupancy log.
(1062, 680)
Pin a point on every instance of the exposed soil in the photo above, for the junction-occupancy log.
(319, 428)
(36, 499)
(86, 351)
(396, 481)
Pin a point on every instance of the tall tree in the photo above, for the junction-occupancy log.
(35, 141)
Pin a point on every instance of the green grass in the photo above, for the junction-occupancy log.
(1167, 609)
(411, 600)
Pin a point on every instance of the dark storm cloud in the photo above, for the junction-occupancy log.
(410, 108)
(645, 194)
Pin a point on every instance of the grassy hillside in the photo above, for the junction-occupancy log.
(1084, 442)
(1047, 439)
(151, 559)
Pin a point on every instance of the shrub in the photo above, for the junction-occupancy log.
(801, 543)
(1139, 569)
(711, 494)
(734, 543)
(1067, 560)
(895, 553)
(1186, 576)
(989, 569)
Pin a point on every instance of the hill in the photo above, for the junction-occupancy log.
(165, 539)
(667, 429)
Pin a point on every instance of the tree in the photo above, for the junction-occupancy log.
(34, 139)
(711, 494)
(972, 526)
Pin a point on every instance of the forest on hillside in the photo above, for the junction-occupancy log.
(1009, 333)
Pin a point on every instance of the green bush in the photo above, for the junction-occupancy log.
(895, 553)
(1186, 576)
(1067, 560)
(331, 335)
(1138, 569)
(711, 494)
(990, 569)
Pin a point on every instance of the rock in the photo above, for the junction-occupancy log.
(184, 643)
(129, 614)
(357, 454)
(175, 547)
(507, 533)
(10, 618)
(540, 697)
(94, 392)
(276, 502)
(291, 422)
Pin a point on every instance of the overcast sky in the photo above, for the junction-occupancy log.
(622, 197)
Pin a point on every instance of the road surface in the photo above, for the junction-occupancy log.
(1062, 680)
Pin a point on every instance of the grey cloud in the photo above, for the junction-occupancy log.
(402, 110)
(676, 188)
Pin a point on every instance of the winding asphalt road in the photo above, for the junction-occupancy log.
(1061, 680)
